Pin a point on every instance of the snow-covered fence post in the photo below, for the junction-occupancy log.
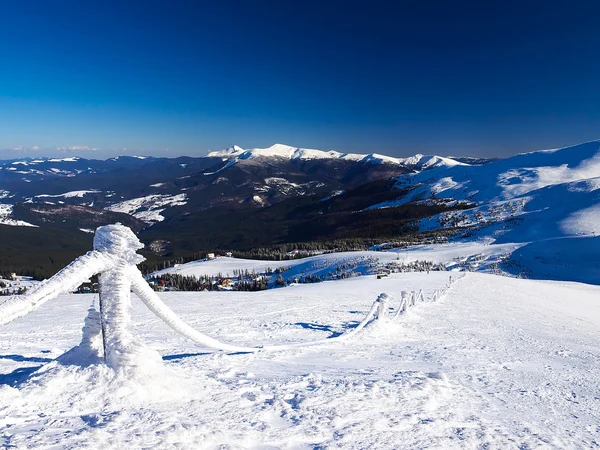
(420, 296)
(401, 306)
(382, 306)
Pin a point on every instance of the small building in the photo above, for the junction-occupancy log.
(210, 256)
(229, 254)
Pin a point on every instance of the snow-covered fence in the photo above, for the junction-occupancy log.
(410, 299)
(107, 333)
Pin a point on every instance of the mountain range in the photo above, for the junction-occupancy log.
(246, 198)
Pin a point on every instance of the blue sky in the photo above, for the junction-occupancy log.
(181, 78)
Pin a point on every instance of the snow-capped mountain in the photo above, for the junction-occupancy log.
(290, 153)
(548, 199)
(149, 188)
(243, 198)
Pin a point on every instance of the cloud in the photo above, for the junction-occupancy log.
(77, 148)
(17, 148)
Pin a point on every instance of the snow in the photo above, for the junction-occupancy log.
(150, 207)
(333, 194)
(567, 258)
(229, 164)
(583, 221)
(224, 265)
(71, 194)
(422, 162)
(258, 200)
(279, 181)
(19, 282)
(5, 217)
(496, 363)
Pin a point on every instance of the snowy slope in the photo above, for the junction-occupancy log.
(12, 286)
(532, 197)
(450, 255)
(150, 207)
(506, 178)
(497, 363)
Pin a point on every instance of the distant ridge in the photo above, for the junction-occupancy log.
(288, 152)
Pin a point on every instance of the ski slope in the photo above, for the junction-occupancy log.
(497, 363)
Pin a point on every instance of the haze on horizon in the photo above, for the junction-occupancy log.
(184, 78)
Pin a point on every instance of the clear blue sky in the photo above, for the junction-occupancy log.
(480, 78)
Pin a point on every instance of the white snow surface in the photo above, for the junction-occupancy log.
(496, 363)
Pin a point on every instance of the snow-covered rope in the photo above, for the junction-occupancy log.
(158, 307)
(66, 280)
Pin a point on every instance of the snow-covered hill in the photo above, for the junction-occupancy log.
(497, 363)
(508, 178)
(419, 162)
(536, 198)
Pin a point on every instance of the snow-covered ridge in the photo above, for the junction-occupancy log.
(295, 153)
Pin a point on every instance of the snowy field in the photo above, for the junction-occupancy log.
(496, 363)
(451, 255)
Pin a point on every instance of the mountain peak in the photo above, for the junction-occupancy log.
(234, 150)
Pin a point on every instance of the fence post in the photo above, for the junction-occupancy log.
(382, 306)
